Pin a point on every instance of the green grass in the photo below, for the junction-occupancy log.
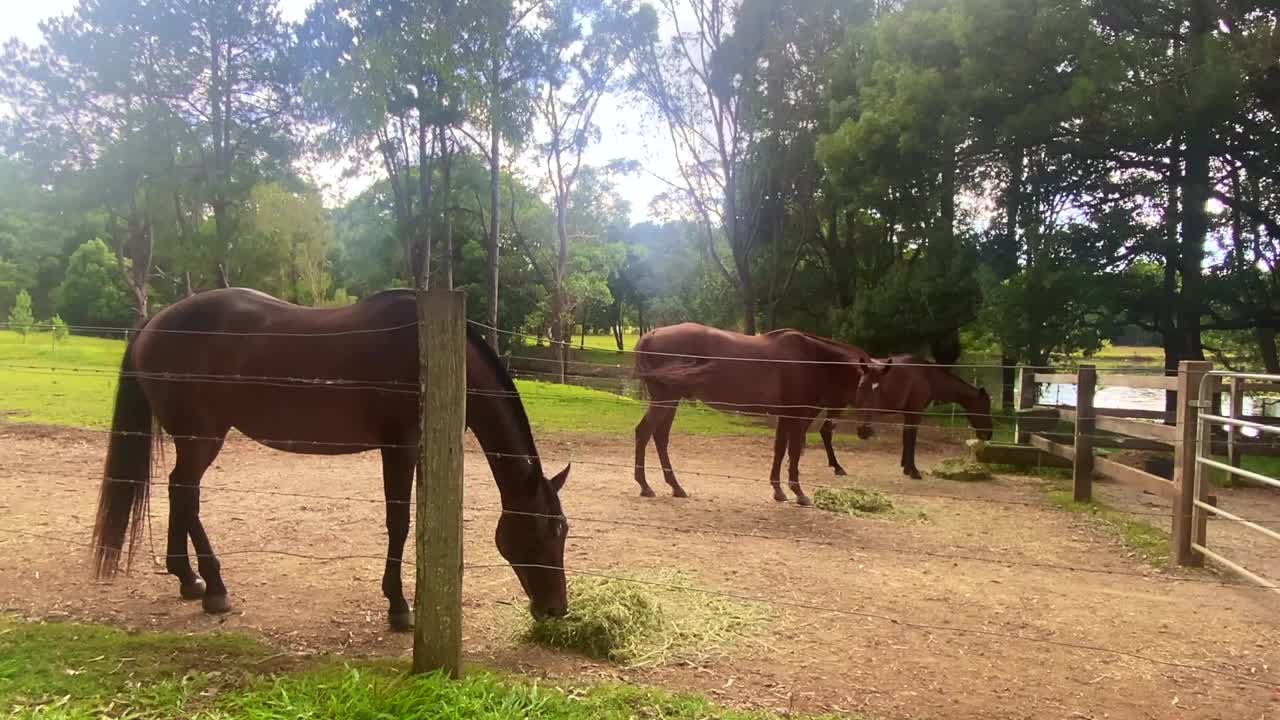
(1147, 541)
(646, 624)
(64, 671)
(82, 669)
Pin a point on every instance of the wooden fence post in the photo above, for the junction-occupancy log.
(442, 354)
(1234, 446)
(1204, 440)
(1027, 390)
(1082, 465)
(1190, 374)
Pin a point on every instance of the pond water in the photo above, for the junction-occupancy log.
(1147, 399)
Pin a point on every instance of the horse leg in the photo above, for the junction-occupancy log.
(825, 432)
(779, 449)
(909, 468)
(661, 438)
(194, 456)
(644, 431)
(795, 447)
(397, 485)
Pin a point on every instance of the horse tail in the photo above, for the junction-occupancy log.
(126, 481)
(665, 370)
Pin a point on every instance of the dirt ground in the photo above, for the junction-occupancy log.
(928, 603)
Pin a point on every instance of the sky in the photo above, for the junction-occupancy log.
(624, 133)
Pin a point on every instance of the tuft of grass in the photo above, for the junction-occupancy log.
(1147, 541)
(852, 501)
(645, 624)
(962, 470)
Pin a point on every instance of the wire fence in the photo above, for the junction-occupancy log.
(1163, 582)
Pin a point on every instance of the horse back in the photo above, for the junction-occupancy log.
(240, 358)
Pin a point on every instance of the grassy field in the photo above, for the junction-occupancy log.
(65, 671)
(74, 386)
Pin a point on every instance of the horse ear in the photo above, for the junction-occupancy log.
(558, 481)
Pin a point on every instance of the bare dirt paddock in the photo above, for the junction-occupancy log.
(990, 569)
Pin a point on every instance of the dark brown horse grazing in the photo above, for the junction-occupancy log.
(907, 385)
(786, 373)
(323, 382)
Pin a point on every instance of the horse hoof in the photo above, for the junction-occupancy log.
(840, 472)
(779, 497)
(194, 591)
(646, 492)
(803, 500)
(679, 493)
(915, 475)
(216, 604)
(401, 621)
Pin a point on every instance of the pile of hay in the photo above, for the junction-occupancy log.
(646, 623)
(852, 501)
(963, 470)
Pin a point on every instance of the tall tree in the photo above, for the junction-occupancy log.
(577, 77)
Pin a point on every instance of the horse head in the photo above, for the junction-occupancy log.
(979, 411)
(869, 396)
(530, 536)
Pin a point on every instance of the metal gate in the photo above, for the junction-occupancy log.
(1210, 390)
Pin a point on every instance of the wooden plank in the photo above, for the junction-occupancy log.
(1127, 475)
(1136, 428)
(1056, 378)
(1033, 420)
(1082, 464)
(1019, 455)
(1063, 451)
(1190, 373)
(1124, 442)
(1131, 413)
(442, 357)
(1151, 382)
(1028, 394)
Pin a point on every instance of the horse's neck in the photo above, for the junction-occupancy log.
(948, 388)
(494, 415)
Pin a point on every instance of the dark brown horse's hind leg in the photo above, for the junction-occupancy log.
(909, 468)
(825, 432)
(397, 482)
(195, 454)
(795, 447)
(779, 450)
(661, 439)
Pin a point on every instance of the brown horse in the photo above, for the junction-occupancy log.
(322, 382)
(907, 385)
(786, 373)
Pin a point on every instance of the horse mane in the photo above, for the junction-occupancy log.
(494, 363)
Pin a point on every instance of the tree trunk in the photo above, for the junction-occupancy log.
(446, 191)
(1169, 289)
(1196, 187)
(1266, 337)
(558, 310)
(495, 177)
(617, 323)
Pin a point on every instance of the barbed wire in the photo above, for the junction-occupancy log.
(411, 388)
(742, 597)
(223, 333)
